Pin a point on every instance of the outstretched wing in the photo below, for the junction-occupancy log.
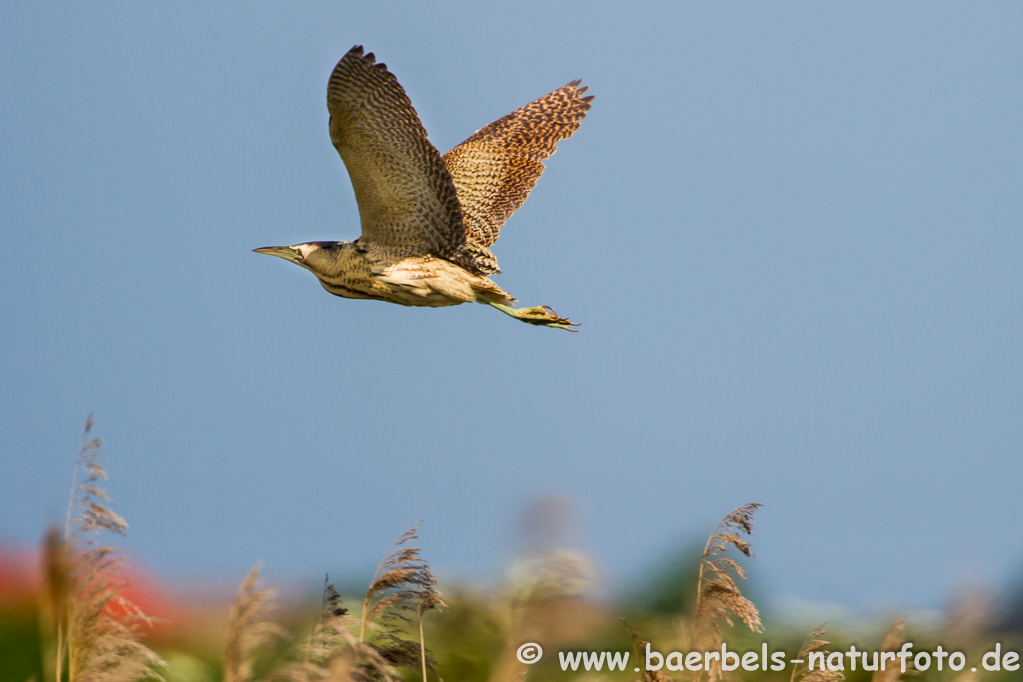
(495, 169)
(406, 198)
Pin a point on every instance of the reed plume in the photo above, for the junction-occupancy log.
(893, 640)
(402, 591)
(718, 595)
(333, 653)
(93, 631)
(402, 587)
(814, 644)
(247, 630)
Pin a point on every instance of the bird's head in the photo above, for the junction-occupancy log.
(320, 258)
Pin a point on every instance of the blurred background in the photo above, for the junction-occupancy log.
(791, 233)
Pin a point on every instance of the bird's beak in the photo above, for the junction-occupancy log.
(285, 252)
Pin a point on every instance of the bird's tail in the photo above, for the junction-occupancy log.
(489, 293)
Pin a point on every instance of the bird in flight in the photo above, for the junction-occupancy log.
(428, 220)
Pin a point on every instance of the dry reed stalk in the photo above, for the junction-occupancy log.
(92, 628)
(246, 629)
(814, 643)
(893, 640)
(718, 595)
(332, 653)
(402, 585)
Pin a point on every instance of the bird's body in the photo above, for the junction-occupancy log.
(357, 270)
(428, 220)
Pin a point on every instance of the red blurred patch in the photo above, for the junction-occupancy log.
(20, 578)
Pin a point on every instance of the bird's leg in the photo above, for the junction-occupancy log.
(542, 315)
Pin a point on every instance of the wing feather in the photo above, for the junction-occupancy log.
(406, 197)
(495, 169)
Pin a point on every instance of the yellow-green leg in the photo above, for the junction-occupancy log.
(542, 315)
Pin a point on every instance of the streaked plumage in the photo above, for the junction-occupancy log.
(428, 220)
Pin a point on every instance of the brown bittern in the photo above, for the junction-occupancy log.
(427, 219)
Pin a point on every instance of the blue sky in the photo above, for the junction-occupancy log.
(791, 233)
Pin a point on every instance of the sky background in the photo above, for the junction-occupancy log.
(791, 232)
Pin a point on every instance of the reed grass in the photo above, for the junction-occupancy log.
(92, 632)
(814, 643)
(893, 639)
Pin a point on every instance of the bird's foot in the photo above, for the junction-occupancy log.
(542, 315)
